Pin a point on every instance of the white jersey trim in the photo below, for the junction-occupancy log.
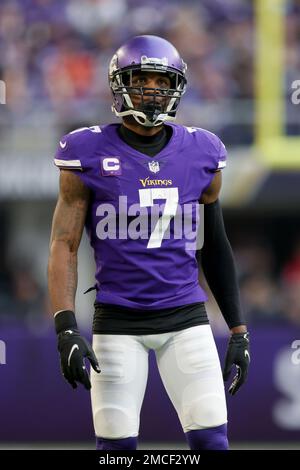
(221, 164)
(67, 163)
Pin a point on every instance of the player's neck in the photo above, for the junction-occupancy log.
(134, 126)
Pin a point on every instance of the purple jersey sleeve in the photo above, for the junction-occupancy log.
(222, 155)
(217, 149)
(213, 146)
(74, 148)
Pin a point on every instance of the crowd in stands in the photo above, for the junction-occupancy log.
(54, 55)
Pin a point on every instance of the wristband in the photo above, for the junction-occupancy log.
(64, 320)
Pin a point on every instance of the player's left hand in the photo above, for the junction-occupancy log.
(238, 354)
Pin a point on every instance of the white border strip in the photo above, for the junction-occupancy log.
(222, 164)
(67, 163)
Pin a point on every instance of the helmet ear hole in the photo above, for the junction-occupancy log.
(126, 78)
(172, 77)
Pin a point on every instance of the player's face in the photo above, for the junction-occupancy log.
(150, 81)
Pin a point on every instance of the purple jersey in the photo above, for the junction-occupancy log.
(142, 218)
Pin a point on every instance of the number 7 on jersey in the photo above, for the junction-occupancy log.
(147, 196)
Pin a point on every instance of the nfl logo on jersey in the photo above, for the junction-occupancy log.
(153, 166)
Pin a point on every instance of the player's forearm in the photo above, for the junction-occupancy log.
(219, 267)
(62, 276)
(221, 277)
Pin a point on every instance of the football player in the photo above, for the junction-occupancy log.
(112, 179)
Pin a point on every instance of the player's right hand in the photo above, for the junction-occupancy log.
(73, 349)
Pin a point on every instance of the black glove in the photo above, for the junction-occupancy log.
(73, 349)
(238, 354)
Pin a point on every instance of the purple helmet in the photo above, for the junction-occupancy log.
(147, 54)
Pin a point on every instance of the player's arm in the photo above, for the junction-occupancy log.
(211, 193)
(67, 227)
(68, 222)
(219, 268)
(218, 265)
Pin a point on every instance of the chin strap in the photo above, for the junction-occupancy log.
(142, 119)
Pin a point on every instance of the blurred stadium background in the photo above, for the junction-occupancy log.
(244, 75)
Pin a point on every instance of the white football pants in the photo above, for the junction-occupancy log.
(188, 364)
